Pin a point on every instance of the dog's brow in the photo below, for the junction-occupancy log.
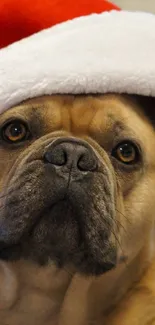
(116, 126)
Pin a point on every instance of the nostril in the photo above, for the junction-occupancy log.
(87, 163)
(57, 157)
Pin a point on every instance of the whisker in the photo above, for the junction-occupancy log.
(148, 221)
(118, 224)
(117, 240)
(124, 216)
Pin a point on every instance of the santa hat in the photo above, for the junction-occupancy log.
(73, 47)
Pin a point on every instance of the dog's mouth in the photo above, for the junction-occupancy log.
(65, 217)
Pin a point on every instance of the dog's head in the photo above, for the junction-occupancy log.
(77, 179)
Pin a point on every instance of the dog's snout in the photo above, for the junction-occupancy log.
(72, 154)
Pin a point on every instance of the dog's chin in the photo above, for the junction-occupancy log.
(63, 235)
(67, 242)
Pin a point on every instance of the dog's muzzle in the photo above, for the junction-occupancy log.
(60, 206)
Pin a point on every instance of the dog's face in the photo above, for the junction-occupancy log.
(77, 178)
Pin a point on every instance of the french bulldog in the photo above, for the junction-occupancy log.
(77, 211)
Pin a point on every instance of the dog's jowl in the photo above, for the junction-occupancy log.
(77, 183)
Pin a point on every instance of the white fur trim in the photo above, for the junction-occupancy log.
(109, 52)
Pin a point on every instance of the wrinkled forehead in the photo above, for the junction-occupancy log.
(86, 114)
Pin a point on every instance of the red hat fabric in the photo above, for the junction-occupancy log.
(61, 47)
(20, 19)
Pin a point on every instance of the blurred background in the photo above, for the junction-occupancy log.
(144, 5)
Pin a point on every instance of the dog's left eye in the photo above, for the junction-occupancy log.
(14, 132)
(126, 152)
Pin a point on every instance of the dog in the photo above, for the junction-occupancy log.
(77, 211)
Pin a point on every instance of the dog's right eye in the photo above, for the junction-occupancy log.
(14, 132)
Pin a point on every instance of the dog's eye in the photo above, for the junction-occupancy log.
(126, 152)
(14, 132)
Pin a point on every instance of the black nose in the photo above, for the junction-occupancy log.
(70, 153)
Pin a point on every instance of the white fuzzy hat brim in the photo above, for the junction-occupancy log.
(109, 52)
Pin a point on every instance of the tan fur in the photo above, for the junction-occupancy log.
(33, 295)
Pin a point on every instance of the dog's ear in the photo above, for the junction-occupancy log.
(147, 104)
